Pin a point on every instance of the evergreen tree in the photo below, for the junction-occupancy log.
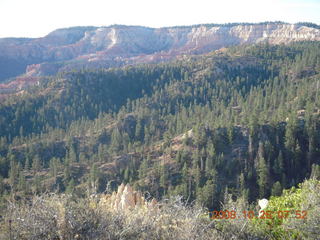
(164, 177)
(94, 178)
(70, 187)
(276, 189)
(36, 164)
(278, 167)
(263, 177)
(315, 172)
(1, 185)
(27, 164)
(144, 166)
(186, 182)
(13, 174)
(126, 176)
(22, 185)
(207, 194)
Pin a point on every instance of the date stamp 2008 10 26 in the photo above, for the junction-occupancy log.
(297, 214)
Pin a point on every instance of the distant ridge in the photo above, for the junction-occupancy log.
(231, 24)
(117, 45)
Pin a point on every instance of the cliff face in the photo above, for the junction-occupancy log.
(118, 45)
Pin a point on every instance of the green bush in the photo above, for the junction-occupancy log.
(302, 206)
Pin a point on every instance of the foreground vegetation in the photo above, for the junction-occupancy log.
(65, 217)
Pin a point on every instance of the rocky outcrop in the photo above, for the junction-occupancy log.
(188, 134)
(126, 199)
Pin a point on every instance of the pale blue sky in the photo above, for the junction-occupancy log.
(36, 18)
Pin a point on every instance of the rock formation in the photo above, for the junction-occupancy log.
(188, 134)
(126, 199)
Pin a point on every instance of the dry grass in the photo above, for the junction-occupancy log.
(61, 217)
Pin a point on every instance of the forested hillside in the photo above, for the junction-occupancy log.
(241, 121)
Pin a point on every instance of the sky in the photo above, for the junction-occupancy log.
(36, 18)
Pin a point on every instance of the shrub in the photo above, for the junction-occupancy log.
(61, 217)
(297, 201)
